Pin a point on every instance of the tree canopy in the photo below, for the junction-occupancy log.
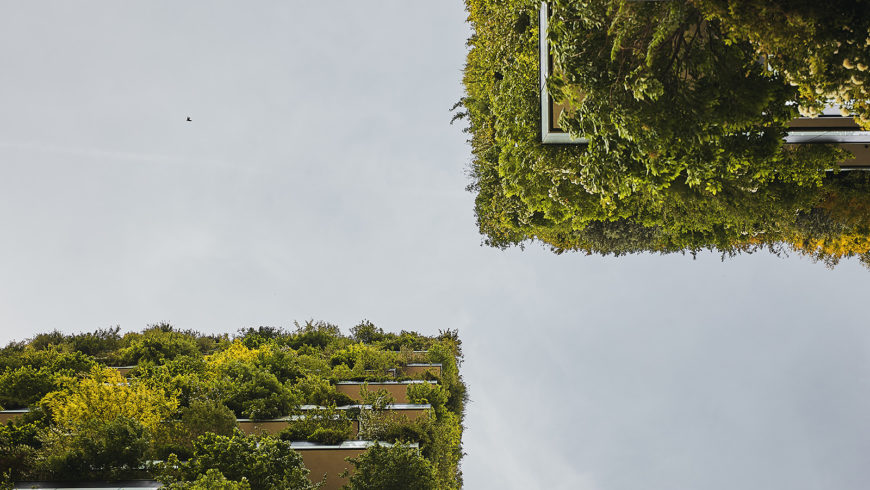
(392, 468)
(684, 117)
(821, 48)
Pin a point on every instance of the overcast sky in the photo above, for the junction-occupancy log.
(320, 179)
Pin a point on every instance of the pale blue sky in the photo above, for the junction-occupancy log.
(320, 179)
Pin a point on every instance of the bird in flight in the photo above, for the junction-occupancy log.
(189, 119)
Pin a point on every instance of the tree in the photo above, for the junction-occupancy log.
(314, 334)
(98, 343)
(395, 467)
(200, 417)
(820, 48)
(18, 445)
(159, 344)
(25, 386)
(203, 416)
(52, 357)
(263, 462)
(366, 332)
(104, 396)
(323, 425)
(211, 480)
(101, 426)
(93, 449)
(254, 392)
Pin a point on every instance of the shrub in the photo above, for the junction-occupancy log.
(314, 334)
(265, 462)
(25, 386)
(282, 362)
(391, 468)
(211, 480)
(256, 393)
(54, 359)
(315, 390)
(366, 332)
(18, 445)
(104, 396)
(255, 337)
(96, 449)
(435, 395)
(98, 343)
(326, 426)
(405, 339)
(158, 345)
(201, 417)
(365, 360)
(45, 341)
(387, 426)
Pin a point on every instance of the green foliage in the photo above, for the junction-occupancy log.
(256, 337)
(98, 343)
(6, 481)
(664, 98)
(264, 462)
(159, 345)
(439, 438)
(87, 421)
(53, 358)
(94, 450)
(325, 426)
(435, 395)
(441, 444)
(43, 341)
(405, 339)
(104, 395)
(254, 392)
(391, 468)
(283, 363)
(314, 334)
(448, 353)
(390, 428)
(319, 391)
(184, 375)
(211, 480)
(378, 399)
(200, 417)
(208, 416)
(364, 359)
(25, 386)
(366, 332)
(18, 445)
(684, 125)
(820, 48)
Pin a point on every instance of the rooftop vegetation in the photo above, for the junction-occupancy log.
(181, 400)
(685, 105)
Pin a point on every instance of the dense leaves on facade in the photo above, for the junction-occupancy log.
(261, 462)
(185, 391)
(821, 48)
(685, 123)
(392, 468)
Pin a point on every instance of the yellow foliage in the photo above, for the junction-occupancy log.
(235, 353)
(845, 245)
(105, 395)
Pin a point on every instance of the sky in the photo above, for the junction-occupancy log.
(320, 178)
